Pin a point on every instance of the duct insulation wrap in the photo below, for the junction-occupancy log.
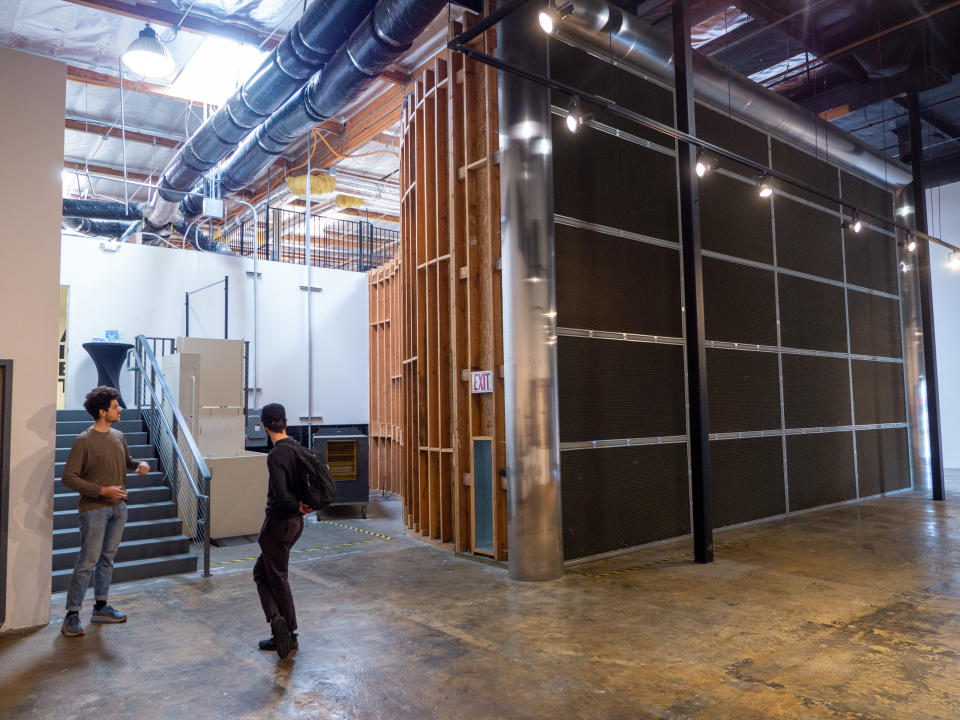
(101, 210)
(348, 201)
(320, 184)
(599, 26)
(98, 228)
(305, 49)
(386, 33)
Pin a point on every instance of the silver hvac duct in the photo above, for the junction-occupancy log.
(304, 50)
(608, 31)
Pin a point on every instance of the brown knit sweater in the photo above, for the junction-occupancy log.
(97, 459)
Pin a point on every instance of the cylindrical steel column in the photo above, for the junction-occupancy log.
(529, 305)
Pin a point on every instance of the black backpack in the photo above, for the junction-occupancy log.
(314, 485)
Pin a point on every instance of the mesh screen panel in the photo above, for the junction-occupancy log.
(743, 390)
(816, 391)
(883, 461)
(726, 132)
(583, 71)
(600, 179)
(615, 498)
(863, 194)
(874, 325)
(871, 260)
(609, 283)
(878, 392)
(812, 315)
(739, 303)
(808, 240)
(746, 233)
(611, 389)
(820, 469)
(746, 480)
(807, 168)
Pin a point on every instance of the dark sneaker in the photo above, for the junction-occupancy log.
(270, 644)
(281, 636)
(107, 614)
(71, 626)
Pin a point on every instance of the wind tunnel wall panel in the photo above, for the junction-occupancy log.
(746, 480)
(883, 461)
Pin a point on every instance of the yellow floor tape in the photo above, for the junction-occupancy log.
(380, 538)
(672, 558)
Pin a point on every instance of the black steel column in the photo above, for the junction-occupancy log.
(698, 428)
(226, 305)
(926, 299)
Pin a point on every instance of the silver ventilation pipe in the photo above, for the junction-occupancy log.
(608, 31)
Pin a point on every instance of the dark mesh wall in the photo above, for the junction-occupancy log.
(612, 389)
(609, 283)
(883, 460)
(812, 315)
(874, 325)
(739, 302)
(820, 469)
(816, 391)
(621, 497)
(746, 480)
(742, 390)
(808, 240)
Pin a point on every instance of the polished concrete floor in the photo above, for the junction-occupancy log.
(850, 613)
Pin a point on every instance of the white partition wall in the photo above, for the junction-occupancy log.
(31, 144)
(140, 290)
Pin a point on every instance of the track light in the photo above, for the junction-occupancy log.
(706, 164)
(575, 116)
(904, 268)
(764, 186)
(954, 261)
(551, 16)
(854, 223)
(148, 56)
(912, 245)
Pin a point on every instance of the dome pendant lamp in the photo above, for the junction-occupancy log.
(148, 56)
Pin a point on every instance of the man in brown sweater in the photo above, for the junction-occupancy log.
(97, 469)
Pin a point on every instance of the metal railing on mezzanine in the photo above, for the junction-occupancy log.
(183, 467)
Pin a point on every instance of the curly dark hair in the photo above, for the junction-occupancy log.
(100, 398)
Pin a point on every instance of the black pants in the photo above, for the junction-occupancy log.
(277, 536)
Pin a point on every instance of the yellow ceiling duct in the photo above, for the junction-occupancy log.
(320, 184)
(348, 201)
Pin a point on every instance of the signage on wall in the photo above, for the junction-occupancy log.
(481, 382)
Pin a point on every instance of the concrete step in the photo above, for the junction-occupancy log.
(63, 519)
(67, 427)
(65, 440)
(135, 496)
(152, 479)
(165, 527)
(137, 452)
(151, 461)
(136, 569)
(81, 414)
(129, 550)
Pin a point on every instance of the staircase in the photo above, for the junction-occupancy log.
(153, 542)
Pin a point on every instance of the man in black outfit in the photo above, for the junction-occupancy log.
(281, 529)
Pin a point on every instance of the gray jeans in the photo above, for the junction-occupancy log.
(100, 533)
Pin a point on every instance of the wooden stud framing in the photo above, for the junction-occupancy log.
(435, 313)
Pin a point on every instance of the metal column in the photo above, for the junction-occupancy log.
(926, 299)
(529, 305)
(692, 290)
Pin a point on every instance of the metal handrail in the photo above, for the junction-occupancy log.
(146, 366)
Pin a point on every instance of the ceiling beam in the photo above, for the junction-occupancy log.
(948, 130)
(94, 128)
(90, 77)
(371, 216)
(112, 172)
(191, 22)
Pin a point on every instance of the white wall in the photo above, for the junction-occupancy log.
(31, 145)
(943, 221)
(140, 290)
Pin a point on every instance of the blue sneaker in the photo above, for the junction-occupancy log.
(71, 626)
(107, 614)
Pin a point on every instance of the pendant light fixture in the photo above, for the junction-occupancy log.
(148, 56)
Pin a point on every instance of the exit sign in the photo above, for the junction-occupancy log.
(482, 382)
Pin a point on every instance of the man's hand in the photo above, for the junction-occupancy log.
(304, 510)
(113, 492)
(143, 468)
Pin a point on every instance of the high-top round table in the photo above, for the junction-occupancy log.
(108, 358)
